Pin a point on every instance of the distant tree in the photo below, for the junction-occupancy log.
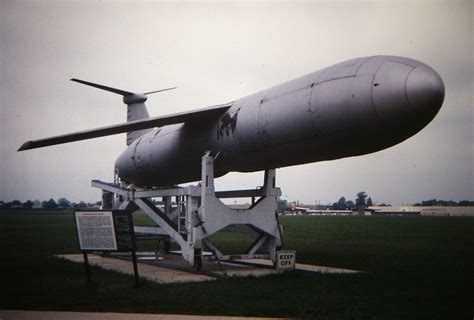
(360, 199)
(435, 202)
(50, 204)
(350, 204)
(445, 203)
(282, 205)
(369, 202)
(64, 203)
(36, 203)
(82, 204)
(157, 202)
(28, 204)
(429, 203)
(342, 203)
(16, 204)
(384, 205)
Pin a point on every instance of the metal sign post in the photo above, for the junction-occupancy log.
(106, 230)
(135, 268)
(125, 235)
(86, 265)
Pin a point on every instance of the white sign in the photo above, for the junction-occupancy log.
(95, 230)
(286, 260)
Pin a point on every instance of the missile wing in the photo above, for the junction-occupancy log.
(195, 116)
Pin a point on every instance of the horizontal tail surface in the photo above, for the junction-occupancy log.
(136, 108)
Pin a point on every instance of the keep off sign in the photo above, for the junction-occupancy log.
(286, 260)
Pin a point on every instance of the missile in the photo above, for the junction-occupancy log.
(352, 108)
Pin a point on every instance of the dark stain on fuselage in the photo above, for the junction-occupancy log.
(227, 124)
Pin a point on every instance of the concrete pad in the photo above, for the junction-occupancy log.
(60, 315)
(323, 269)
(303, 267)
(149, 272)
(171, 268)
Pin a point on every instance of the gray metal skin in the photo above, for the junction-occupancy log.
(353, 108)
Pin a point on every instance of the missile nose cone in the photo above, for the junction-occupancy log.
(425, 90)
(407, 91)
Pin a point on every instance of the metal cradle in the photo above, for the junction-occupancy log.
(200, 213)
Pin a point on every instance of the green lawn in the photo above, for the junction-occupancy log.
(415, 268)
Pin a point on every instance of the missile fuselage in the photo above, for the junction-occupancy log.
(353, 108)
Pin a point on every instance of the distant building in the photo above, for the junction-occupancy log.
(457, 211)
(453, 211)
(305, 211)
(448, 211)
(244, 206)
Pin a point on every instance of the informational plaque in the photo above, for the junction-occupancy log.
(106, 230)
(95, 230)
(124, 231)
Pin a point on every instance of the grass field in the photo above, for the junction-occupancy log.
(416, 268)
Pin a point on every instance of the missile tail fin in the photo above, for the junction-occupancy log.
(136, 108)
(102, 87)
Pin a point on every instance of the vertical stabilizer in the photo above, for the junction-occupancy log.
(136, 108)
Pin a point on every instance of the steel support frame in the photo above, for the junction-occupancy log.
(205, 214)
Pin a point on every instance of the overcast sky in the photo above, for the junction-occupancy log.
(215, 53)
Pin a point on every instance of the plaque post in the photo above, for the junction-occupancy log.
(135, 268)
(86, 265)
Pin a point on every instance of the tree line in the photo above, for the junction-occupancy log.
(61, 203)
(363, 200)
(445, 203)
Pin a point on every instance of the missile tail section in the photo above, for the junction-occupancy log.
(136, 108)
